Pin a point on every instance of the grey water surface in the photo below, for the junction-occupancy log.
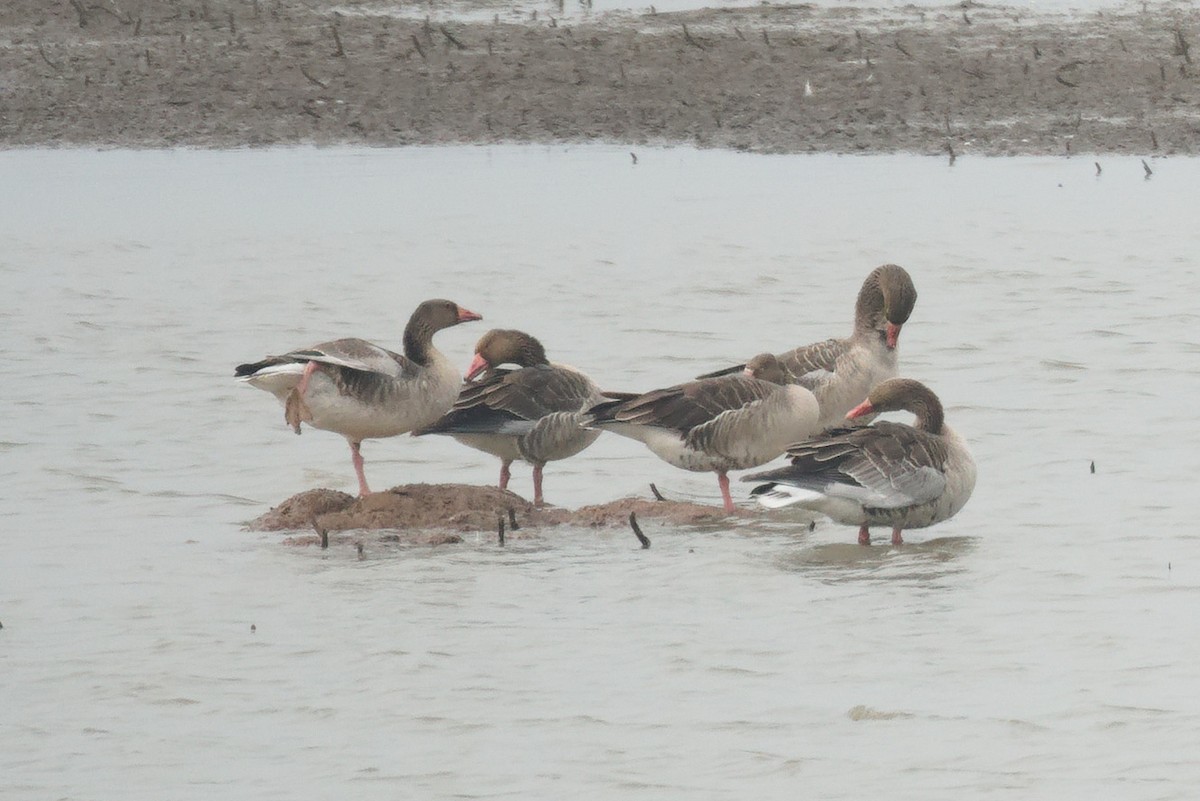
(1042, 644)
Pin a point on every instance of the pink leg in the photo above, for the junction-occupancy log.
(505, 473)
(723, 482)
(864, 536)
(537, 485)
(295, 410)
(896, 538)
(356, 457)
(309, 369)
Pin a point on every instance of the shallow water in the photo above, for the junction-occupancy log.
(1037, 646)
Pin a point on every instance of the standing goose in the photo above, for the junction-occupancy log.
(840, 372)
(532, 413)
(883, 474)
(363, 391)
(718, 424)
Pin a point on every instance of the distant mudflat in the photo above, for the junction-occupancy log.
(951, 79)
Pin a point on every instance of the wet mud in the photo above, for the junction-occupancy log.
(438, 513)
(953, 79)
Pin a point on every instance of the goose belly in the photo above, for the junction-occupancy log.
(556, 436)
(385, 412)
(502, 446)
(668, 445)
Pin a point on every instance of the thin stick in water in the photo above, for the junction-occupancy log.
(658, 496)
(637, 530)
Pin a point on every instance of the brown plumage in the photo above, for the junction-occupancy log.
(532, 413)
(885, 474)
(716, 424)
(840, 372)
(361, 390)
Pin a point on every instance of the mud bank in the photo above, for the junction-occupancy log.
(439, 513)
(227, 73)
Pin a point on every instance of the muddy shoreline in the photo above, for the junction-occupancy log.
(229, 73)
(439, 514)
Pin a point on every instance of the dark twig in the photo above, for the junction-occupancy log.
(637, 530)
(308, 75)
(1058, 73)
(687, 37)
(337, 40)
(450, 37)
(658, 496)
(501, 521)
(323, 533)
(1093, 467)
(119, 17)
(1146, 167)
(78, 6)
(1098, 170)
(512, 519)
(417, 43)
(46, 58)
(1182, 48)
(950, 150)
(902, 49)
(633, 156)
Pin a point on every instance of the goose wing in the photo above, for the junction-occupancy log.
(884, 466)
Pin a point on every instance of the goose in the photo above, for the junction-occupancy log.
(884, 474)
(840, 372)
(531, 413)
(718, 424)
(363, 391)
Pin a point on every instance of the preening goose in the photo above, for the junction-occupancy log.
(717, 424)
(840, 372)
(883, 474)
(532, 413)
(363, 391)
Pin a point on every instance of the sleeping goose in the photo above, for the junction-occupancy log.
(532, 413)
(363, 391)
(716, 424)
(883, 474)
(840, 372)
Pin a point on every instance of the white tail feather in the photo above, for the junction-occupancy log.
(278, 379)
(777, 496)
